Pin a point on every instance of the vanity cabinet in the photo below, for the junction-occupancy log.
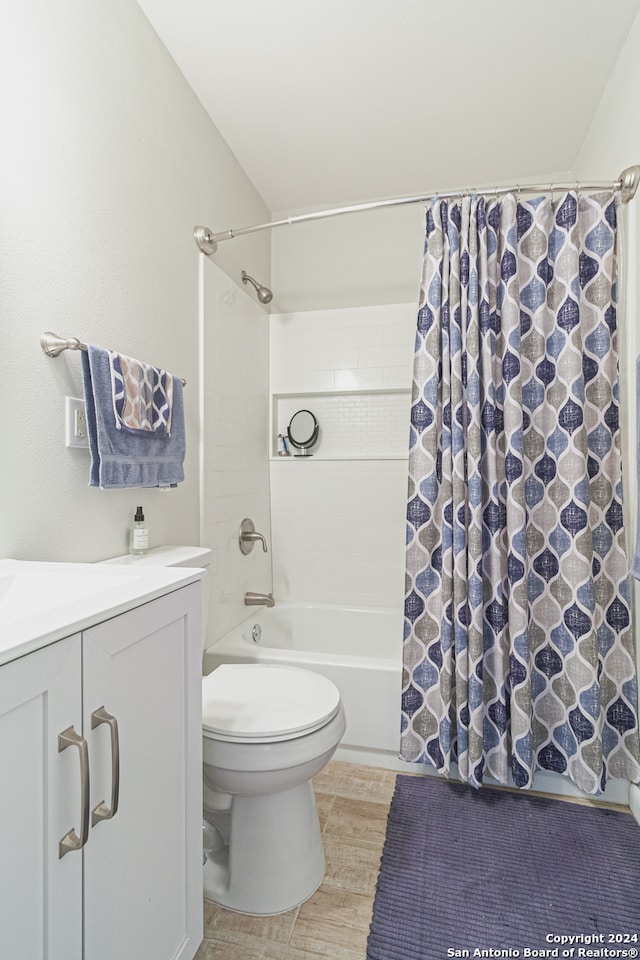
(129, 689)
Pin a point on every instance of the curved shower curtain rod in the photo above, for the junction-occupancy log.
(627, 184)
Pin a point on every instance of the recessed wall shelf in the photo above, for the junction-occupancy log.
(354, 424)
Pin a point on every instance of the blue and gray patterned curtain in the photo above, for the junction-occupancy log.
(518, 651)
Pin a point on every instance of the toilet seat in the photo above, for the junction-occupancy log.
(258, 703)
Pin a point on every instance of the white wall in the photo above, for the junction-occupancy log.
(360, 259)
(235, 482)
(338, 517)
(613, 143)
(107, 163)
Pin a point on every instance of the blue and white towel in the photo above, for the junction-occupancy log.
(129, 457)
(142, 395)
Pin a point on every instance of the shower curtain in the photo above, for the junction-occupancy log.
(518, 651)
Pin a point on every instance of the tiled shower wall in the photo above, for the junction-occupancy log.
(234, 333)
(338, 517)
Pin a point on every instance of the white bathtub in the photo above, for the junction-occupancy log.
(359, 648)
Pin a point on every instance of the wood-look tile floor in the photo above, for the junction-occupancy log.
(353, 803)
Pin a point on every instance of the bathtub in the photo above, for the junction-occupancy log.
(359, 648)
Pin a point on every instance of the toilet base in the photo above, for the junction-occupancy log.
(274, 860)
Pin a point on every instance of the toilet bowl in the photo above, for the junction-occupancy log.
(267, 730)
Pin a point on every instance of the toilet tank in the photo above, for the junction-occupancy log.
(170, 556)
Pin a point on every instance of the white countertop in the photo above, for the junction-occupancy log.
(44, 602)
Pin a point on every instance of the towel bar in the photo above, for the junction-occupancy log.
(53, 346)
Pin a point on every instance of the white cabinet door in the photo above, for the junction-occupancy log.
(143, 867)
(40, 802)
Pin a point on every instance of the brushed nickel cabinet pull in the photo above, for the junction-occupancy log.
(71, 841)
(102, 811)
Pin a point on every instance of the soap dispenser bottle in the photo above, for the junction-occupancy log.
(139, 535)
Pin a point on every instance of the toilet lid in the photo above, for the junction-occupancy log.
(259, 701)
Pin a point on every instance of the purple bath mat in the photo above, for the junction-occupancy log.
(473, 873)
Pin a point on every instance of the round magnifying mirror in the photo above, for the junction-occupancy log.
(303, 432)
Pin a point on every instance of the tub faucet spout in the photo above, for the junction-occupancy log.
(259, 599)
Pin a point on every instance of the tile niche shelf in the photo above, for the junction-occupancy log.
(354, 424)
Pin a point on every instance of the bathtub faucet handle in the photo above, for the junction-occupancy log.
(248, 536)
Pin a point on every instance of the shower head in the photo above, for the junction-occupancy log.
(264, 294)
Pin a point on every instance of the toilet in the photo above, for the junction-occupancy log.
(267, 730)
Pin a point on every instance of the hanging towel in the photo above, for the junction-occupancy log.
(142, 395)
(124, 458)
(635, 566)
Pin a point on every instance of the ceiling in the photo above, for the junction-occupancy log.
(328, 102)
